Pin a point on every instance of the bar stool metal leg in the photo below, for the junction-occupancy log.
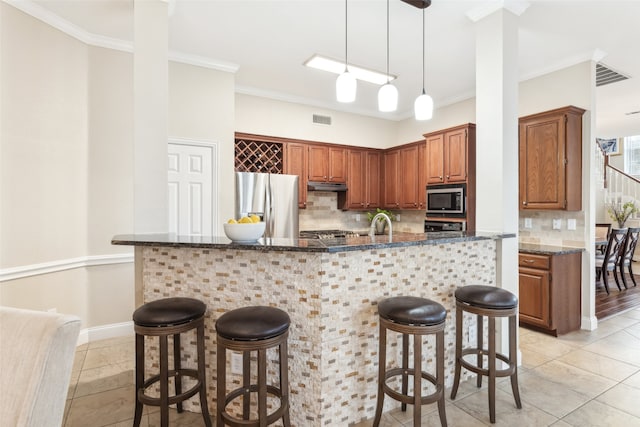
(284, 379)
(480, 341)
(440, 373)
(405, 366)
(458, 367)
(513, 357)
(164, 381)
(139, 378)
(221, 370)
(417, 379)
(492, 369)
(177, 365)
(382, 365)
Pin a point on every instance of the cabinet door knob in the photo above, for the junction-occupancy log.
(530, 261)
(447, 176)
(440, 177)
(524, 203)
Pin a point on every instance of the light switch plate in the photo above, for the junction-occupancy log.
(528, 223)
(571, 224)
(557, 224)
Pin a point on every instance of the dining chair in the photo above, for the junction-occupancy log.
(611, 258)
(602, 234)
(626, 259)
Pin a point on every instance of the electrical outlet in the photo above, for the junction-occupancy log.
(528, 223)
(473, 333)
(557, 224)
(571, 224)
(357, 217)
(398, 217)
(236, 363)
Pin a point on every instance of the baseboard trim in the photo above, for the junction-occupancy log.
(114, 330)
(589, 323)
(23, 271)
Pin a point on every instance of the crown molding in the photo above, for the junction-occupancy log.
(97, 40)
(514, 6)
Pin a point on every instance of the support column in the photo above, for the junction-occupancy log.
(151, 93)
(151, 101)
(497, 141)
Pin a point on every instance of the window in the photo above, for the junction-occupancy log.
(632, 155)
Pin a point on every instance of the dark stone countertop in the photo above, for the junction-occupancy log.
(307, 245)
(534, 248)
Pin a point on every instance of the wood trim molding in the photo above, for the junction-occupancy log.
(56, 266)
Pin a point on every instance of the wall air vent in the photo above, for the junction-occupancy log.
(605, 75)
(321, 120)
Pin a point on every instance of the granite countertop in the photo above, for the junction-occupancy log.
(535, 248)
(307, 245)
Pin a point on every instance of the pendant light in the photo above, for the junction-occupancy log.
(346, 84)
(423, 107)
(388, 94)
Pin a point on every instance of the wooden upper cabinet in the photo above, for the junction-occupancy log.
(363, 180)
(409, 177)
(422, 175)
(435, 159)
(296, 164)
(551, 160)
(327, 164)
(391, 184)
(447, 155)
(455, 156)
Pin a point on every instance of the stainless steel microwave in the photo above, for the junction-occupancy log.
(447, 200)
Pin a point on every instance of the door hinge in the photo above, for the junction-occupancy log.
(564, 204)
(566, 161)
(550, 277)
(566, 119)
(465, 133)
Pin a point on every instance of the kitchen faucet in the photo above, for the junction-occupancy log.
(372, 230)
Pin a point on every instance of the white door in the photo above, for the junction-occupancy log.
(191, 184)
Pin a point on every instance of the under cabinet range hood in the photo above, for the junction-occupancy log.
(325, 186)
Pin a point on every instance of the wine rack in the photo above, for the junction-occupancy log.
(258, 156)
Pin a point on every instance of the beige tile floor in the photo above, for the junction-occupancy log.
(579, 379)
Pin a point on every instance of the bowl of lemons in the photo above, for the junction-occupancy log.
(247, 229)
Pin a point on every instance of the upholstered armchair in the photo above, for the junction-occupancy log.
(36, 356)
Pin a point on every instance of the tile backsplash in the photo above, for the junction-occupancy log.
(542, 230)
(322, 213)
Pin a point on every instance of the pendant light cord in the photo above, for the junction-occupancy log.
(388, 80)
(346, 35)
(423, 92)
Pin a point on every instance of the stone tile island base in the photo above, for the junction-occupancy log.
(332, 301)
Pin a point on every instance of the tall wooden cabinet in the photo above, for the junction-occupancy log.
(391, 183)
(296, 164)
(549, 291)
(551, 160)
(363, 179)
(450, 158)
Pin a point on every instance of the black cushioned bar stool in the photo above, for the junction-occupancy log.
(417, 317)
(161, 318)
(491, 302)
(245, 330)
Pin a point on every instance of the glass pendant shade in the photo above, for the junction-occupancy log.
(423, 107)
(388, 98)
(346, 86)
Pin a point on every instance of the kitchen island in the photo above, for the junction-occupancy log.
(330, 288)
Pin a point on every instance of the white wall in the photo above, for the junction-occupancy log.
(67, 165)
(289, 120)
(443, 117)
(201, 107)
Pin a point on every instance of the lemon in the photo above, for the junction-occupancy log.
(255, 218)
(232, 221)
(245, 220)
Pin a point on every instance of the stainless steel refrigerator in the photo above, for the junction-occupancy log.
(273, 197)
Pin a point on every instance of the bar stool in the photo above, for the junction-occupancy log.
(161, 318)
(245, 330)
(417, 317)
(491, 302)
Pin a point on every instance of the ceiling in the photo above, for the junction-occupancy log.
(268, 41)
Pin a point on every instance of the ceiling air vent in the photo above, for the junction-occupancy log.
(605, 75)
(321, 120)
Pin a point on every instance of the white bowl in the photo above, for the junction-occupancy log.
(244, 233)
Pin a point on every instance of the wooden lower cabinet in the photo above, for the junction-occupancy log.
(550, 291)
